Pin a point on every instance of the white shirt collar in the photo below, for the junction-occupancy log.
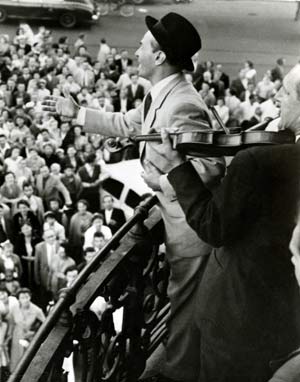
(157, 88)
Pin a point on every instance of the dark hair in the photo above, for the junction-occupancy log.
(98, 234)
(4, 289)
(23, 290)
(27, 184)
(23, 201)
(97, 215)
(83, 201)
(71, 268)
(91, 158)
(89, 249)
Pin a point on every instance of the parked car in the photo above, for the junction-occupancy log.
(125, 184)
(67, 12)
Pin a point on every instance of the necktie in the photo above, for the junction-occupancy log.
(147, 104)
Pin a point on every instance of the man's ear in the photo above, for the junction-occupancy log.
(160, 57)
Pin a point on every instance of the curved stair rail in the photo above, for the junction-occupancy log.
(113, 316)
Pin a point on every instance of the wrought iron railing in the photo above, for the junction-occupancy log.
(128, 280)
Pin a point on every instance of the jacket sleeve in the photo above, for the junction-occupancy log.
(217, 216)
(112, 123)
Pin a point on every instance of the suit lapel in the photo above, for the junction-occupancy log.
(157, 104)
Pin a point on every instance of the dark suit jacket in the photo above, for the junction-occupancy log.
(139, 93)
(249, 297)
(119, 65)
(119, 217)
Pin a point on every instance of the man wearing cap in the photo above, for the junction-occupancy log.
(165, 51)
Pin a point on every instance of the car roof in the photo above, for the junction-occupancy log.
(129, 173)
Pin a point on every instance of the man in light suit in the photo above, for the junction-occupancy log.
(165, 51)
(248, 313)
(44, 253)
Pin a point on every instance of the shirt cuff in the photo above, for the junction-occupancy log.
(166, 187)
(80, 120)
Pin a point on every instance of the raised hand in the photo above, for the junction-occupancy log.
(62, 106)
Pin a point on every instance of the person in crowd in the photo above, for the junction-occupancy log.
(59, 213)
(13, 160)
(277, 73)
(10, 268)
(79, 223)
(104, 51)
(72, 182)
(25, 245)
(253, 318)
(134, 89)
(26, 318)
(49, 154)
(34, 161)
(61, 262)
(44, 253)
(89, 254)
(10, 191)
(50, 223)
(90, 175)
(98, 241)
(35, 202)
(49, 186)
(97, 226)
(6, 224)
(113, 217)
(25, 215)
(223, 112)
(171, 102)
(72, 159)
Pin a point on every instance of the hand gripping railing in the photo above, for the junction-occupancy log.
(44, 356)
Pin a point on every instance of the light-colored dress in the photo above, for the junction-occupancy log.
(23, 322)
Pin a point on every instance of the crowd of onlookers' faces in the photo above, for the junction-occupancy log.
(51, 172)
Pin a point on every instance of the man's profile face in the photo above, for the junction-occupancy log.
(146, 57)
(108, 203)
(289, 100)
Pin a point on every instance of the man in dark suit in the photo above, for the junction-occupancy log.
(114, 218)
(123, 62)
(248, 310)
(44, 253)
(135, 90)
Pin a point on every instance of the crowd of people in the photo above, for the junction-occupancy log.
(53, 216)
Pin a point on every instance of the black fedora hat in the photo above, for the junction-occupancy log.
(177, 37)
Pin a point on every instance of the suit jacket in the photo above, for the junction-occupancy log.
(139, 93)
(51, 189)
(41, 267)
(119, 65)
(118, 216)
(249, 298)
(178, 105)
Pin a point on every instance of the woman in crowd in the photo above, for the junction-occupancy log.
(25, 249)
(10, 268)
(10, 191)
(25, 320)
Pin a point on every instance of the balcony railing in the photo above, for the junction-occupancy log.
(128, 279)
